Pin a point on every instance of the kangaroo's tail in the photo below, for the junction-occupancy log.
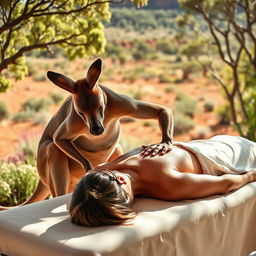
(39, 194)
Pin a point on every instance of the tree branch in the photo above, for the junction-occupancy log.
(10, 24)
(231, 102)
(239, 34)
(38, 14)
(11, 60)
(11, 10)
(6, 44)
(217, 41)
(225, 88)
(226, 38)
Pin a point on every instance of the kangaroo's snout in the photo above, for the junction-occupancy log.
(97, 130)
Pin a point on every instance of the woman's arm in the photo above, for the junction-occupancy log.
(190, 186)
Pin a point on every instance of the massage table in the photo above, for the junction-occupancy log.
(213, 226)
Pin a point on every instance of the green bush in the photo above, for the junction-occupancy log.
(26, 152)
(23, 116)
(141, 50)
(223, 113)
(182, 123)
(62, 65)
(166, 46)
(42, 117)
(109, 73)
(4, 113)
(188, 68)
(17, 183)
(39, 77)
(116, 52)
(170, 89)
(31, 69)
(136, 94)
(148, 74)
(185, 105)
(56, 97)
(35, 104)
(149, 123)
(165, 78)
(28, 147)
(201, 132)
(208, 106)
(134, 73)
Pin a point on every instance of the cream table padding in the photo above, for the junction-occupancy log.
(213, 226)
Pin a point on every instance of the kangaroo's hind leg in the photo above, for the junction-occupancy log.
(76, 173)
(58, 170)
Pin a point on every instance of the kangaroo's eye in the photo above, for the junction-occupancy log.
(82, 115)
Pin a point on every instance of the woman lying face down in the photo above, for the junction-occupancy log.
(104, 195)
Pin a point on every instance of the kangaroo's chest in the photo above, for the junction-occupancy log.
(87, 142)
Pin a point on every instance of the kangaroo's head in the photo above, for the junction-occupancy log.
(88, 98)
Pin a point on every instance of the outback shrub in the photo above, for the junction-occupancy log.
(42, 117)
(149, 123)
(223, 113)
(169, 89)
(39, 77)
(185, 105)
(141, 50)
(164, 78)
(17, 183)
(31, 69)
(116, 52)
(134, 73)
(201, 132)
(208, 106)
(4, 112)
(182, 123)
(148, 74)
(109, 73)
(123, 58)
(26, 151)
(28, 147)
(136, 94)
(62, 65)
(56, 97)
(23, 116)
(188, 68)
(166, 46)
(35, 104)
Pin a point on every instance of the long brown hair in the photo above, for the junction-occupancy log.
(98, 200)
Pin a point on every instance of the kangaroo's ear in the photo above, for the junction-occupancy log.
(93, 73)
(62, 81)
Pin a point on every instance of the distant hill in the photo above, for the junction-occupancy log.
(153, 4)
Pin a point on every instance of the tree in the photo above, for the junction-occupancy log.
(25, 25)
(191, 45)
(232, 27)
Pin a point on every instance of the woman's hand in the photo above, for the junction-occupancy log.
(156, 149)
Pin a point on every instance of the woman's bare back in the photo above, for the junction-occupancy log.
(178, 159)
(153, 171)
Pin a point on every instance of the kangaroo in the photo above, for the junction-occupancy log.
(86, 129)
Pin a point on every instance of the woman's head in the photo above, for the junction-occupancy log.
(100, 200)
